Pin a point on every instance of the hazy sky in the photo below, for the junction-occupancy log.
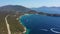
(31, 3)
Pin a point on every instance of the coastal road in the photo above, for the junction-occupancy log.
(8, 28)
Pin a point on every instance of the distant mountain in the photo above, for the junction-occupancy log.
(53, 10)
(9, 8)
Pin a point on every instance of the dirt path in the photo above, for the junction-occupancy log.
(8, 28)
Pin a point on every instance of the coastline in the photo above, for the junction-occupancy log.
(26, 31)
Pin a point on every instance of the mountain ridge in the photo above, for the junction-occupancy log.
(53, 10)
(14, 8)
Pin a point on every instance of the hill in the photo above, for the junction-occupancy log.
(51, 10)
(13, 8)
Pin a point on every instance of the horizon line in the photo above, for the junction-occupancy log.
(31, 7)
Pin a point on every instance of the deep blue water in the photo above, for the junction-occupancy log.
(39, 24)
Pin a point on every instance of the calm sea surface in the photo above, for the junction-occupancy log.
(39, 24)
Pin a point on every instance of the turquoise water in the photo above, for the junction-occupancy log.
(28, 30)
(38, 24)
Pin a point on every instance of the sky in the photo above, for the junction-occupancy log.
(31, 3)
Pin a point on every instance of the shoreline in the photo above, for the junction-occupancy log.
(25, 29)
(23, 26)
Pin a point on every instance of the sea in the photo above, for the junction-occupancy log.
(41, 24)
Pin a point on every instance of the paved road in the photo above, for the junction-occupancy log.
(8, 28)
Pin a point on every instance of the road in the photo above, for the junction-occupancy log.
(8, 28)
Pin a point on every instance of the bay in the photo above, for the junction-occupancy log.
(39, 24)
